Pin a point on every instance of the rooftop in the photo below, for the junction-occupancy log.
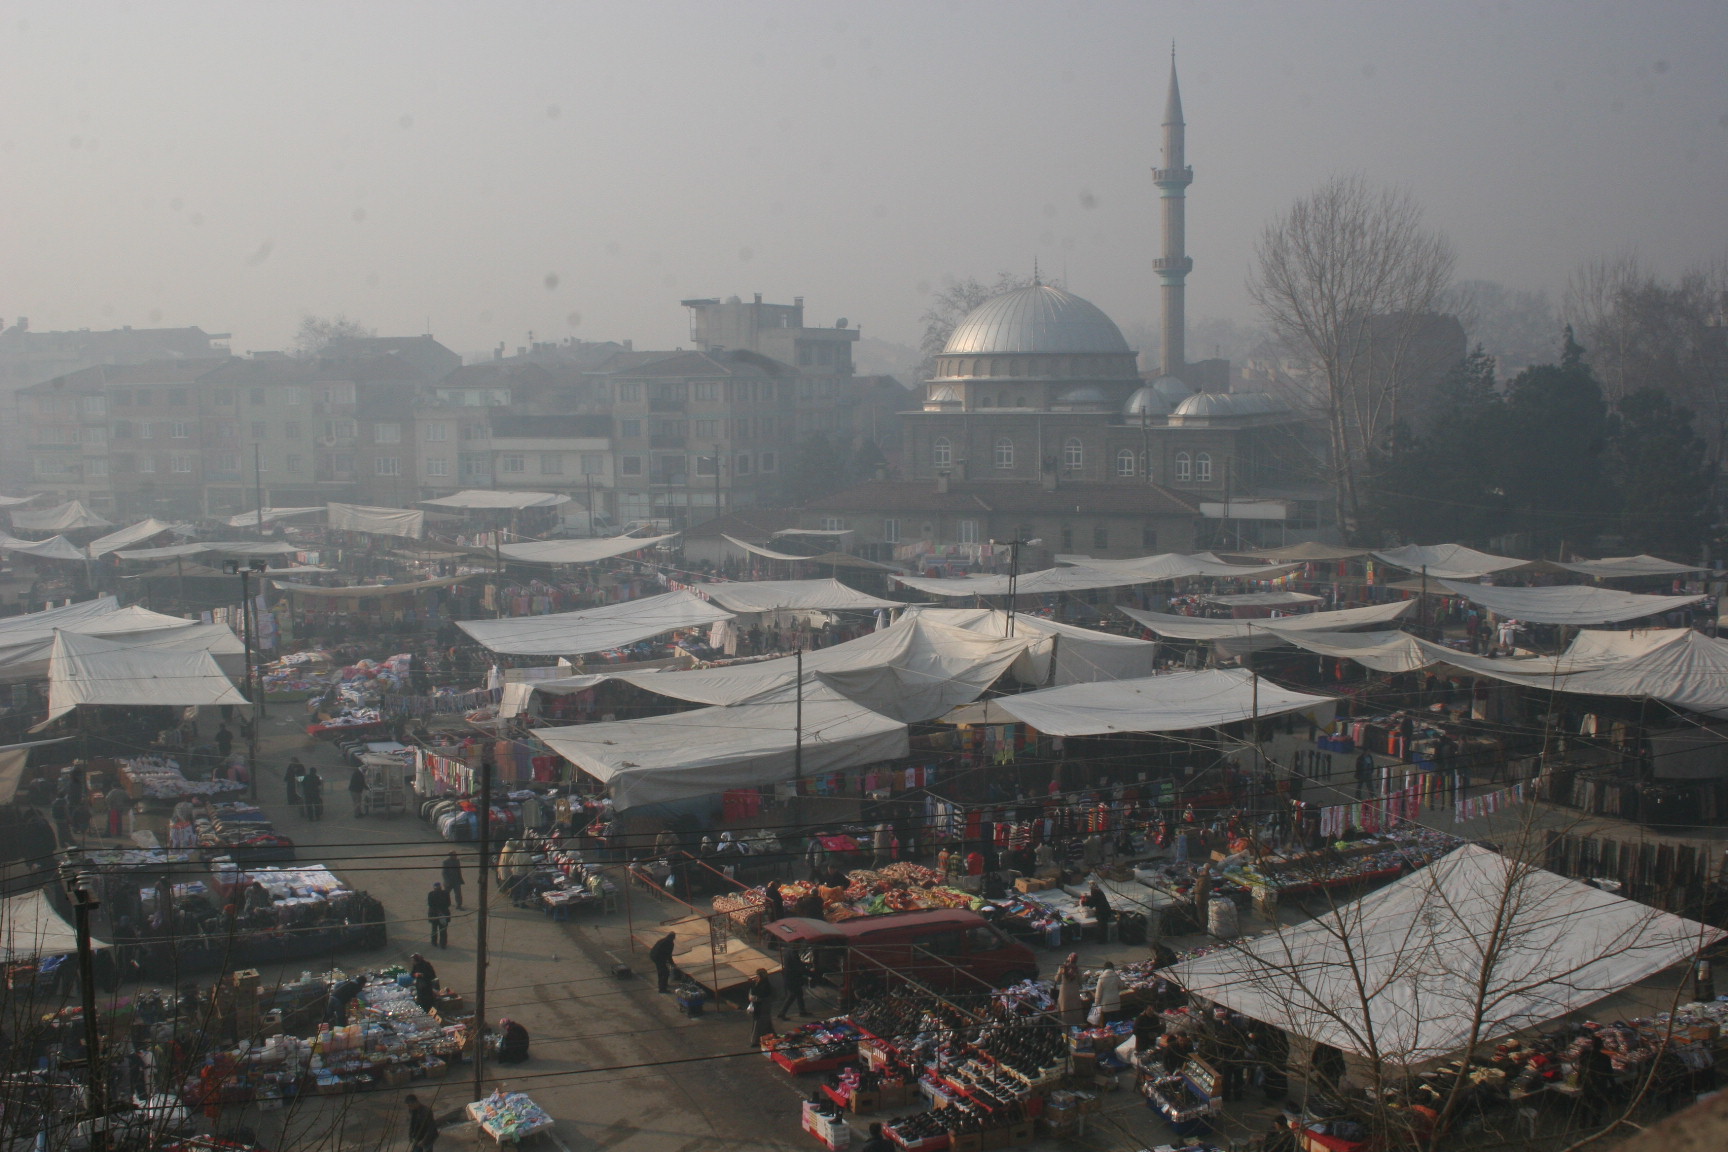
(1038, 318)
(997, 496)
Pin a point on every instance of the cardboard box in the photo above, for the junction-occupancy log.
(993, 1138)
(865, 1101)
(1060, 1126)
(1021, 1133)
(965, 1142)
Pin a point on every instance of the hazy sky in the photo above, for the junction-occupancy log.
(491, 168)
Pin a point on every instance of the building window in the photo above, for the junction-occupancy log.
(122, 429)
(942, 452)
(705, 429)
(1149, 537)
(1125, 462)
(630, 465)
(1100, 537)
(386, 466)
(146, 463)
(1184, 467)
(1203, 468)
(629, 393)
(765, 426)
(705, 390)
(386, 433)
(831, 524)
(593, 464)
(437, 433)
(767, 462)
(296, 464)
(122, 397)
(472, 464)
(258, 396)
(95, 467)
(1073, 453)
(473, 431)
(180, 430)
(181, 462)
(93, 405)
(630, 429)
(551, 463)
(743, 466)
(513, 462)
(705, 465)
(891, 531)
(294, 396)
(176, 396)
(438, 467)
(291, 429)
(968, 531)
(258, 432)
(1004, 453)
(342, 463)
(1067, 538)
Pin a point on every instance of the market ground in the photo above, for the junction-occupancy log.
(616, 1063)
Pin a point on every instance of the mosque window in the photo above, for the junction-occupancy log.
(1184, 467)
(1203, 468)
(1004, 453)
(1073, 453)
(1125, 462)
(942, 452)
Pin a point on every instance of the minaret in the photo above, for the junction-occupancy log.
(1173, 267)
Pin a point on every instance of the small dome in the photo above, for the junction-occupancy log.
(1157, 398)
(1036, 319)
(942, 394)
(1206, 404)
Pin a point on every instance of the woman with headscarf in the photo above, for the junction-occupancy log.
(1068, 1004)
(512, 1042)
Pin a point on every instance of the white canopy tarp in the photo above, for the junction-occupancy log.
(126, 537)
(1381, 651)
(1089, 574)
(1252, 635)
(15, 501)
(1611, 567)
(1262, 599)
(205, 547)
(1448, 561)
(1400, 972)
(409, 522)
(365, 591)
(829, 533)
(89, 670)
(71, 516)
(1576, 604)
(1178, 566)
(1081, 655)
(1172, 702)
(594, 629)
(41, 625)
(270, 515)
(710, 750)
(579, 551)
(758, 550)
(749, 597)
(486, 498)
(915, 670)
(53, 548)
(30, 928)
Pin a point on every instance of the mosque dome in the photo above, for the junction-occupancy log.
(1212, 405)
(1037, 319)
(1158, 398)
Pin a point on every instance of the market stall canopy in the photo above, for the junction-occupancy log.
(14, 758)
(1448, 561)
(1308, 552)
(711, 750)
(579, 551)
(915, 670)
(1381, 651)
(594, 629)
(409, 522)
(1172, 702)
(1177, 566)
(1262, 599)
(30, 929)
(88, 670)
(1081, 655)
(847, 560)
(1611, 567)
(1568, 603)
(71, 516)
(366, 591)
(753, 596)
(41, 625)
(126, 537)
(1252, 635)
(291, 570)
(758, 550)
(208, 547)
(15, 501)
(485, 498)
(53, 548)
(1408, 966)
(828, 533)
(271, 515)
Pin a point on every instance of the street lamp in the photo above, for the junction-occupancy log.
(254, 686)
(1014, 547)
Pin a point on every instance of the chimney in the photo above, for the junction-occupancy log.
(758, 297)
(942, 482)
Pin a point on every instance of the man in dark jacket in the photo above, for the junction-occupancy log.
(761, 1007)
(661, 954)
(422, 1125)
(438, 912)
(357, 788)
(453, 876)
(312, 795)
(794, 974)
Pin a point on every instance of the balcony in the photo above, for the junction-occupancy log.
(666, 441)
(670, 479)
(666, 405)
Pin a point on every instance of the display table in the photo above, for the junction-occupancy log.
(509, 1117)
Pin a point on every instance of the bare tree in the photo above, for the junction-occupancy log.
(950, 305)
(1348, 278)
(317, 333)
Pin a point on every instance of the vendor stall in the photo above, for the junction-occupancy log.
(509, 1117)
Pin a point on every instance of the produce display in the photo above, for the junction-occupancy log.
(509, 1116)
(159, 778)
(898, 887)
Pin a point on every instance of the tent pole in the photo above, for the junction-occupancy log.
(481, 924)
(798, 741)
(97, 1081)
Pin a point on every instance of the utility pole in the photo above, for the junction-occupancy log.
(254, 683)
(481, 921)
(1014, 547)
(96, 1075)
(258, 482)
(798, 737)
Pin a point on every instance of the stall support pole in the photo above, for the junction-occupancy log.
(483, 893)
(798, 742)
(82, 905)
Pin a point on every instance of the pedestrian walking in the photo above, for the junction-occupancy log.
(224, 741)
(794, 976)
(61, 811)
(1364, 773)
(312, 795)
(761, 1005)
(453, 876)
(422, 1125)
(661, 955)
(357, 789)
(438, 912)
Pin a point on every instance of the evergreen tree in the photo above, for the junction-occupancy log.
(1555, 434)
(1659, 466)
(1447, 484)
